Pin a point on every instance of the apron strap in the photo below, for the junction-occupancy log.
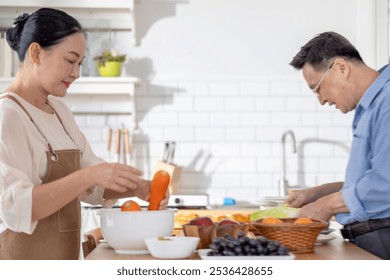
(60, 120)
(53, 154)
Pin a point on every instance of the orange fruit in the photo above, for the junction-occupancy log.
(303, 221)
(220, 218)
(130, 205)
(241, 218)
(272, 220)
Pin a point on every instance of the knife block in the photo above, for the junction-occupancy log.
(174, 172)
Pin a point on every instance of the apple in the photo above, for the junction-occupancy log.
(227, 222)
(202, 221)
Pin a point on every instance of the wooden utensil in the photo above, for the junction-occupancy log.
(109, 140)
(126, 139)
(118, 144)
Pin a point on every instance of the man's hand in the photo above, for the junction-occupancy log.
(324, 208)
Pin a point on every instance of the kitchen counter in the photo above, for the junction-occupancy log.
(336, 249)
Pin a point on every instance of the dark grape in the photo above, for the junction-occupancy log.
(238, 250)
(242, 245)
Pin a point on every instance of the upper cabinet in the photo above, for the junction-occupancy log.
(94, 15)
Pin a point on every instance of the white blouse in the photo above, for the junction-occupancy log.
(23, 162)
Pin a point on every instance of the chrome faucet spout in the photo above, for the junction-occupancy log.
(283, 183)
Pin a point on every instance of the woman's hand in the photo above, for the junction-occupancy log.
(164, 202)
(114, 176)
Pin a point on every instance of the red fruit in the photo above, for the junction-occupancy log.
(227, 222)
(202, 221)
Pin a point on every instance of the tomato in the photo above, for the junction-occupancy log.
(130, 205)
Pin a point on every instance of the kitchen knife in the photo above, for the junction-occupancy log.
(171, 152)
(166, 150)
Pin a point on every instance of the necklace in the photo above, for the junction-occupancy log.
(60, 120)
(51, 108)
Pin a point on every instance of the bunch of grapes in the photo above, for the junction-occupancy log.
(245, 246)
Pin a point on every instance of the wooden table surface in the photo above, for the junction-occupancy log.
(336, 249)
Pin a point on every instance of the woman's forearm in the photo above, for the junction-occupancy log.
(110, 194)
(50, 197)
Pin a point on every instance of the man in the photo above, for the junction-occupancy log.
(337, 75)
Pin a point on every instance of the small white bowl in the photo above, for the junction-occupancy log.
(172, 247)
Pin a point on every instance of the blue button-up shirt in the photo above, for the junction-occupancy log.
(366, 189)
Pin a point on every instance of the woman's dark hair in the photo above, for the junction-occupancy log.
(325, 46)
(45, 26)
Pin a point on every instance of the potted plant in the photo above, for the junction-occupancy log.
(109, 63)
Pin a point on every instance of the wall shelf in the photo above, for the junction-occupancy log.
(95, 93)
(99, 85)
(94, 15)
(87, 113)
(95, 4)
(94, 85)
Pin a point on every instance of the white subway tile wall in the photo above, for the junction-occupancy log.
(228, 134)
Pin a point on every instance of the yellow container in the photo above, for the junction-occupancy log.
(110, 69)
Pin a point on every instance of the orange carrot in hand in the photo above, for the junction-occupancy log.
(158, 189)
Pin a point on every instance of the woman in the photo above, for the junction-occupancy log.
(46, 164)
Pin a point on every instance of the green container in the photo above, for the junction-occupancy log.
(110, 69)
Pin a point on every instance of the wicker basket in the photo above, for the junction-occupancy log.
(298, 238)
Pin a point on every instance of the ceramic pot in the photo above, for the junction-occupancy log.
(110, 69)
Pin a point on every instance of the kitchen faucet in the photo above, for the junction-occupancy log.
(283, 183)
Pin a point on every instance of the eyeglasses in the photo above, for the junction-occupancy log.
(316, 89)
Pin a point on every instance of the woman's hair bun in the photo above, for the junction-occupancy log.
(21, 20)
(45, 26)
(13, 33)
(12, 38)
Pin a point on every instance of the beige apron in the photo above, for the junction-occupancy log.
(56, 237)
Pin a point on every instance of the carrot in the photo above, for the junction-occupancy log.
(158, 189)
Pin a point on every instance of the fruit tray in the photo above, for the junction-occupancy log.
(203, 255)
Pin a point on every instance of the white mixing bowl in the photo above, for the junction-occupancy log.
(125, 231)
